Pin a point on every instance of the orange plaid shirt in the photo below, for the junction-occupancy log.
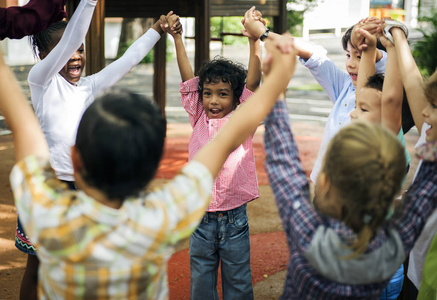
(89, 250)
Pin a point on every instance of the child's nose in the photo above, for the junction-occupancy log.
(75, 55)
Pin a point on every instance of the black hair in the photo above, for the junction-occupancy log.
(346, 38)
(43, 41)
(376, 82)
(225, 70)
(120, 140)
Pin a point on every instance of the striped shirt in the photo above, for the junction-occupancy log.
(89, 250)
(236, 184)
(316, 268)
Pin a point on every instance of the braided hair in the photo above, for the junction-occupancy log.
(45, 40)
(366, 164)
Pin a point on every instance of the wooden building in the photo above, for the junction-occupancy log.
(201, 10)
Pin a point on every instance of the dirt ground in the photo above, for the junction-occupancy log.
(263, 216)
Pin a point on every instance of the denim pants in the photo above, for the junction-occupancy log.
(222, 237)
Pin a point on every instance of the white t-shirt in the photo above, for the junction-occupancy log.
(58, 104)
(420, 249)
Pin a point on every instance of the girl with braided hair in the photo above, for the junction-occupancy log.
(60, 95)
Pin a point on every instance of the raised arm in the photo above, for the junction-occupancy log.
(245, 120)
(411, 78)
(368, 58)
(392, 90)
(28, 137)
(254, 69)
(184, 64)
(19, 21)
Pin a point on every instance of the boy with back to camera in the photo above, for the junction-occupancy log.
(109, 239)
(223, 235)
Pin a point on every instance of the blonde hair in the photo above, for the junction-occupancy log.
(430, 87)
(366, 164)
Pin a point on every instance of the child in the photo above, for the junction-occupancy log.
(418, 97)
(427, 281)
(110, 240)
(379, 101)
(339, 86)
(344, 247)
(223, 235)
(60, 95)
(17, 22)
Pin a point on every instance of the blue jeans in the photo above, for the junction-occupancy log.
(222, 237)
(394, 287)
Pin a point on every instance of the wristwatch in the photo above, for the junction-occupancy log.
(393, 23)
(264, 35)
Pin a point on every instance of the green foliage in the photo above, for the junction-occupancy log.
(425, 49)
(295, 17)
(227, 25)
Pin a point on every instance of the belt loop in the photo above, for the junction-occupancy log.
(205, 217)
(231, 216)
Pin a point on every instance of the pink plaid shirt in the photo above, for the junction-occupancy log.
(236, 184)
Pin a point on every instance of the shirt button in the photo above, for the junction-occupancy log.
(345, 104)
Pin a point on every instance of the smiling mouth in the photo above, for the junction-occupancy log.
(354, 76)
(74, 69)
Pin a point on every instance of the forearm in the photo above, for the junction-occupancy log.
(28, 138)
(392, 94)
(184, 64)
(254, 69)
(367, 67)
(132, 57)
(411, 78)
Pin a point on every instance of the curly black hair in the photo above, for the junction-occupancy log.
(225, 70)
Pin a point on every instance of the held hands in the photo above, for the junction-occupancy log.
(254, 24)
(364, 33)
(280, 58)
(384, 40)
(171, 24)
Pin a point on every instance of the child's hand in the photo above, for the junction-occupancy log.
(174, 24)
(171, 24)
(280, 55)
(285, 43)
(384, 40)
(369, 24)
(254, 24)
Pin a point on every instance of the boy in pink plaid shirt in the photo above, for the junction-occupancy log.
(223, 234)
